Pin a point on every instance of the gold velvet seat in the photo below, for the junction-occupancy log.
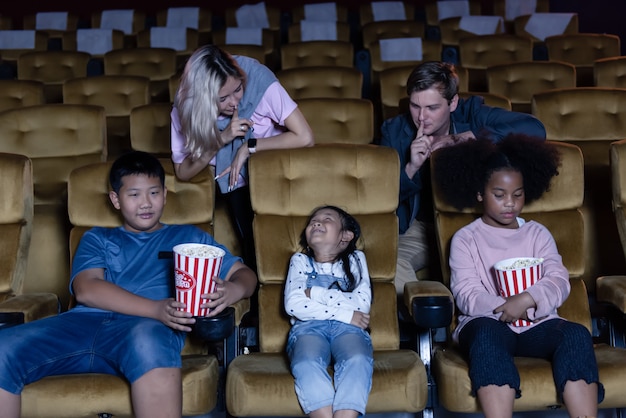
(35, 22)
(610, 72)
(52, 68)
(150, 129)
(582, 50)
(57, 138)
(339, 120)
(111, 39)
(519, 81)
(20, 93)
(591, 118)
(559, 210)
(118, 94)
(64, 395)
(283, 193)
(451, 32)
(253, 51)
(115, 19)
(477, 53)
(159, 37)
(322, 81)
(432, 11)
(317, 53)
(16, 225)
(158, 64)
(389, 29)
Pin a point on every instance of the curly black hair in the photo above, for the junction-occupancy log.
(463, 170)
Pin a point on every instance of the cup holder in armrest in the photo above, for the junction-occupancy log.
(433, 311)
(215, 328)
(9, 319)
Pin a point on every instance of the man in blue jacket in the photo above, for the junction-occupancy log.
(437, 118)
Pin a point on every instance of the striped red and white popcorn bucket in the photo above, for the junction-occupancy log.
(195, 265)
(516, 275)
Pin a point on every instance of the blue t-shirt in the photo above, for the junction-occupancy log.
(131, 259)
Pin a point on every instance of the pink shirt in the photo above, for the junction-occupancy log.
(269, 119)
(477, 247)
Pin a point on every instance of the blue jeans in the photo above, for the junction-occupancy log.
(80, 342)
(311, 347)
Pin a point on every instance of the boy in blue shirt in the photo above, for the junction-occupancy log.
(126, 321)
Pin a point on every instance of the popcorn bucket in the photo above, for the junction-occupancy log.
(516, 275)
(195, 265)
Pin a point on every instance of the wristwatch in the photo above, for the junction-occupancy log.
(252, 145)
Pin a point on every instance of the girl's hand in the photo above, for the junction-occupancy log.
(168, 313)
(360, 319)
(515, 307)
(226, 293)
(240, 159)
(236, 128)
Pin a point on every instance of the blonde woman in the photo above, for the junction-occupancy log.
(227, 108)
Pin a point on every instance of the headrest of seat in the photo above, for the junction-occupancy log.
(289, 182)
(582, 113)
(566, 189)
(188, 202)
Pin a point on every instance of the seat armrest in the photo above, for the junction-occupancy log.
(612, 289)
(32, 305)
(430, 303)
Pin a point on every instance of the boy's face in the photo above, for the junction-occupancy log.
(141, 200)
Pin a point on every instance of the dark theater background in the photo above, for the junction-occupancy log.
(599, 16)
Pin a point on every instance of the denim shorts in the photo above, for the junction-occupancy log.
(312, 347)
(81, 342)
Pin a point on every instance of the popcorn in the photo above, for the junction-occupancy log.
(521, 263)
(195, 265)
(515, 275)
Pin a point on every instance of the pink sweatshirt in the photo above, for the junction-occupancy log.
(477, 247)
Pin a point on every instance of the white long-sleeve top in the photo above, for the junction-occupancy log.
(326, 303)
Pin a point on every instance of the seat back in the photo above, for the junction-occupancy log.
(477, 53)
(94, 41)
(253, 51)
(317, 53)
(519, 81)
(283, 194)
(177, 16)
(295, 32)
(589, 117)
(326, 81)
(559, 210)
(16, 221)
(20, 93)
(182, 40)
(339, 120)
(49, 24)
(582, 49)
(118, 95)
(57, 138)
(452, 33)
(52, 68)
(367, 13)
(610, 72)
(150, 129)
(389, 29)
(431, 10)
(520, 24)
(299, 12)
(158, 64)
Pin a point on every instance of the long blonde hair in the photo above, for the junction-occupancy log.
(197, 98)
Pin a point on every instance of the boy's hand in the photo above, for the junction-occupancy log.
(226, 293)
(169, 314)
(360, 319)
(515, 307)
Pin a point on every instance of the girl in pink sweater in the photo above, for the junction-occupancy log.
(501, 177)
